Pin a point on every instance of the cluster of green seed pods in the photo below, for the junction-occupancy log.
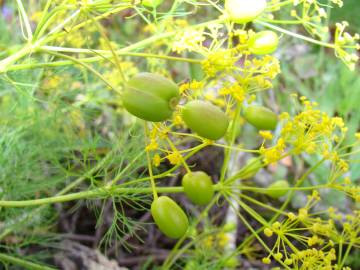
(169, 216)
(152, 97)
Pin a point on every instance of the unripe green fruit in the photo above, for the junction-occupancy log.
(169, 217)
(205, 119)
(260, 117)
(264, 42)
(151, 97)
(198, 187)
(243, 11)
(151, 3)
(280, 188)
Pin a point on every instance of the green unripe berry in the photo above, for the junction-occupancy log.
(151, 97)
(151, 3)
(243, 11)
(169, 217)
(278, 189)
(260, 117)
(206, 119)
(198, 187)
(264, 42)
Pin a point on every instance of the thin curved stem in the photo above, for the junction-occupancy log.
(284, 31)
(95, 194)
(23, 263)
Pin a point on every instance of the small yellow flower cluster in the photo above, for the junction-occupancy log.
(217, 241)
(174, 158)
(317, 233)
(311, 131)
(274, 153)
(219, 61)
(263, 70)
(267, 135)
(235, 90)
(193, 85)
(312, 15)
(346, 45)
(314, 259)
(190, 40)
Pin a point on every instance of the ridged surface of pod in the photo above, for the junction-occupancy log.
(206, 119)
(260, 117)
(150, 97)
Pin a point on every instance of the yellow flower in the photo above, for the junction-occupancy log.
(266, 134)
(156, 160)
(174, 158)
(268, 232)
(153, 145)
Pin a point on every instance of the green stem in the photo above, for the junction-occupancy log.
(66, 189)
(95, 194)
(283, 207)
(228, 151)
(265, 189)
(152, 180)
(23, 263)
(25, 19)
(346, 254)
(281, 30)
(88, 67)
(97, 58)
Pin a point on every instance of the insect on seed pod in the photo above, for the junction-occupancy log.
(264, 42)
(169, 217)
(151, 97)
(198, 187)
(260, 117)
(206, 119)
(243, 11)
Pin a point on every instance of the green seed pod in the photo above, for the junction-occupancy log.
(151, 3)
(260, 117)
(151, 97)
(280, 188)
(243, 11)
(169, 217)
(205, 119)
(264, 42)
(198, 187)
